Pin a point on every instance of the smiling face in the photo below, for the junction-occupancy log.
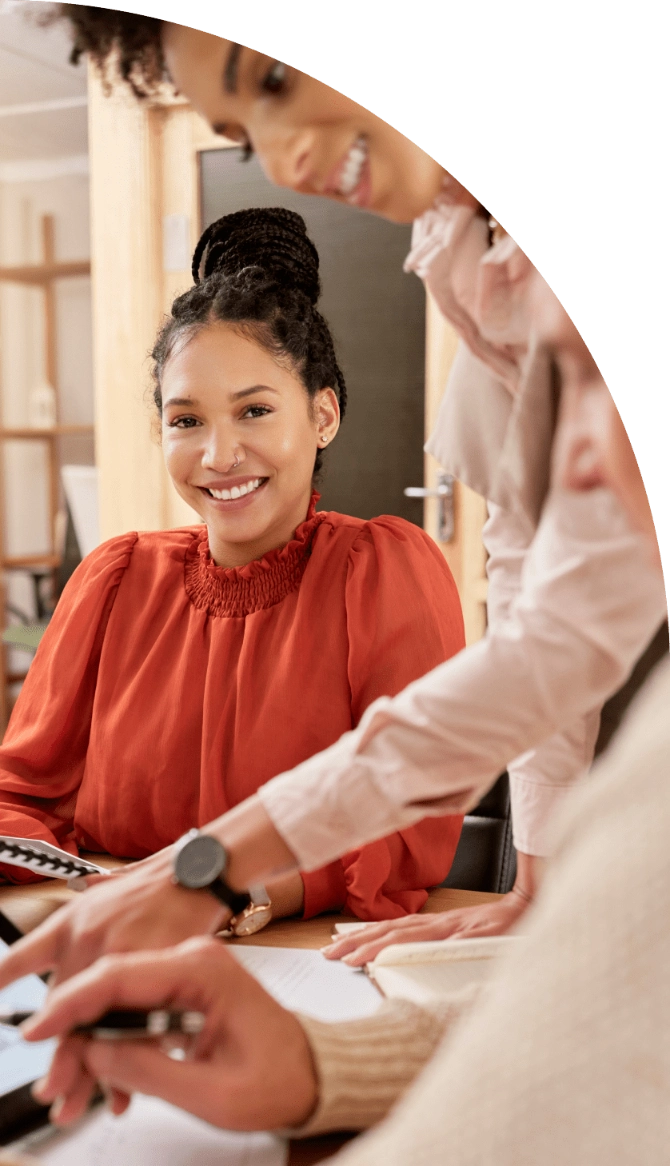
(226, 401)
(307, 136)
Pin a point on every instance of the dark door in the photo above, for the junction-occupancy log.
(377, 314)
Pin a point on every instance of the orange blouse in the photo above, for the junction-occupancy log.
(167, 689)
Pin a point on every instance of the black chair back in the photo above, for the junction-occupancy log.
(485, 859)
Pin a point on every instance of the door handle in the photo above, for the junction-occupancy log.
(444, 492)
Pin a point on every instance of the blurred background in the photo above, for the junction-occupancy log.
(46, 370)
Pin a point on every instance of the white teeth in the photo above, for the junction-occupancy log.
(353, 166)
(236, 491)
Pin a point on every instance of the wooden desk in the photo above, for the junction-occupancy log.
(28, 906)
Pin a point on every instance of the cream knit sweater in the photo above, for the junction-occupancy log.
(566, 1058)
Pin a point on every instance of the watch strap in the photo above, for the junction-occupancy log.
(236, 900)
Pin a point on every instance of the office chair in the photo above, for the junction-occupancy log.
(485, 858)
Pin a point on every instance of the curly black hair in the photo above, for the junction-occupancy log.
(121, 44)
(258, 270)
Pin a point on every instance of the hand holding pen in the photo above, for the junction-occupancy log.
(249, 1067)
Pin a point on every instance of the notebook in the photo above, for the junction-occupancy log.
(427, 972)
(45, 859)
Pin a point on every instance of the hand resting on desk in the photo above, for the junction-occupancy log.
(249, 1069)
(496, 918)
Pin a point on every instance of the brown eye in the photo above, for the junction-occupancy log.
(275, 78)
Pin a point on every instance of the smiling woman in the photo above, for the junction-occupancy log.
(184, 668)
(243, 370)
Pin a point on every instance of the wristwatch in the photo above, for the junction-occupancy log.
(253, 918)
(199, 862)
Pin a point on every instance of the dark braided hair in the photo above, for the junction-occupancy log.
(119, 43)
(258, 270)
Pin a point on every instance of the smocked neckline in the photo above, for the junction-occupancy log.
(239, 591)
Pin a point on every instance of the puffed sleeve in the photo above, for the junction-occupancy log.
(43, 755)
(404, 618)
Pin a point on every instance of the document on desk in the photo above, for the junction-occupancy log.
(153, 1133)
(305, 981)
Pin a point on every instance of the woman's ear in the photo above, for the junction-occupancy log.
(327, 416)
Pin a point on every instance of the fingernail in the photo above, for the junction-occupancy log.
(351, 959)
(38, 1088)
(54, 1112)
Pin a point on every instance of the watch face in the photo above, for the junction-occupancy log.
(199, 862)
(253, 919)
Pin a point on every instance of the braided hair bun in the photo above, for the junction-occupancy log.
(273, 240)
(259, 271)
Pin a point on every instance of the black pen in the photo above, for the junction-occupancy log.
(128, 1024)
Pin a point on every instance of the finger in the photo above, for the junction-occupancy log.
(117, 1100)
(60, 1078)
(71, 1107)
(348, 943)
(133, 980)
(415, 934)
(140, 1067)
(37, 952)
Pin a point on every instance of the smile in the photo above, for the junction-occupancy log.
(352, 167)
(235, 491)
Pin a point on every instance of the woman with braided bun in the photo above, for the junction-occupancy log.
(183, 668)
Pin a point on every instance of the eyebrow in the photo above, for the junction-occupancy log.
(180, 401)
(230, 70)
(254, 389)
(191, 401)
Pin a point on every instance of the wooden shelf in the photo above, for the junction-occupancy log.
(41, 273)
(21, 562)
(32, 433)
(44, 276)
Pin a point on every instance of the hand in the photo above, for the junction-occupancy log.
(362, 946)
(250, 1068)
(139, 907)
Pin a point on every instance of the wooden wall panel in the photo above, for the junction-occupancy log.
(465, 554)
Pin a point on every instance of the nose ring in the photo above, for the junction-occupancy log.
(235, 463)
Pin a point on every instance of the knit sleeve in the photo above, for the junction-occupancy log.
(364, 1066)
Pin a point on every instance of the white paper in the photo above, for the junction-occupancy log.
(347, 929)
(21, 1062)
(153, 1133)
(306, 981)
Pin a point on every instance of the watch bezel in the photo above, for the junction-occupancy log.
(186, 850)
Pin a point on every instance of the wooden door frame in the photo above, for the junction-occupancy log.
(465, 553)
